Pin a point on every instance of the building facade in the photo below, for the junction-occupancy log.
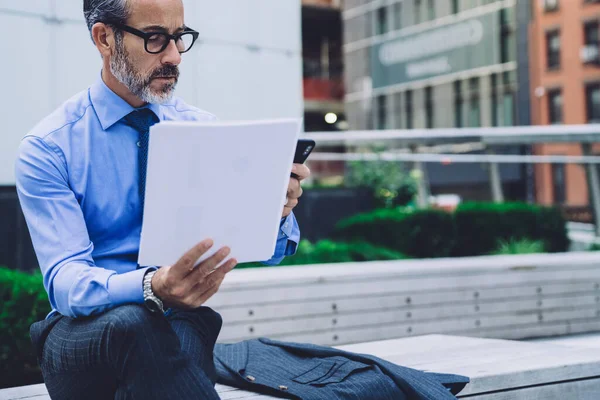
(323, 67)
(437, 64)
(565, 88)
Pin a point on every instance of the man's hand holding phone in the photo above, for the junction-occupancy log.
(300, 172)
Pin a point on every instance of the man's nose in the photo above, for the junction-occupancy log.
(171, 54)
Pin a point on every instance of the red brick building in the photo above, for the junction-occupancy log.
(565, 88)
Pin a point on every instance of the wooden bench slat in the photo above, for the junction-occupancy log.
(244, 295)
(484, 295)
(503, 367)
(377, 326)
(409, 313)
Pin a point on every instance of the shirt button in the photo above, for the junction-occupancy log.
(284, 388)
(250, 378)
(139, 144)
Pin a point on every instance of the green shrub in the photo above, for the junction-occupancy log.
(594, 247)
(481, 225)
(416, 233)
(389, 182)
(24, 301)
(522, 246)
(326, 251)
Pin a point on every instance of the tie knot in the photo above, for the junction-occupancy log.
(141, 120)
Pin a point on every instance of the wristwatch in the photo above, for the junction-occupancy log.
(153, 303)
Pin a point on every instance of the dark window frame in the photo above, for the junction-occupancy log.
(555, 116)
(381, 21)
(458, 105)
(429, 109)
(559, 189)
(592, 113)
(408, 106)
(553, 56)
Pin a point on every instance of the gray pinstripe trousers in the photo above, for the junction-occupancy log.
(128, 353)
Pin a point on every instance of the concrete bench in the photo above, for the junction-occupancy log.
(506, 297)
(499, 369)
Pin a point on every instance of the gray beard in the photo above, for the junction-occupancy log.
(137, 84)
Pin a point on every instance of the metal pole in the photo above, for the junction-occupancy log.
(422, 182)
(495, 181)
(594, 186)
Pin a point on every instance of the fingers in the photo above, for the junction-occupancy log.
(291, 204)
(205, 289)
(187, 262)
(301, 171)
(207, 266)
(294, 189)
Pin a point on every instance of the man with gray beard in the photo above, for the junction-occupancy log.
(117, 329)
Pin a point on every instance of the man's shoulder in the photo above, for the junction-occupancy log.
(64, 117)
(179, 110)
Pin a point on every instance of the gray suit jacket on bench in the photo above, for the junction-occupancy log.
(305, 371)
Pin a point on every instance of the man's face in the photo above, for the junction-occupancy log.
(150, 77)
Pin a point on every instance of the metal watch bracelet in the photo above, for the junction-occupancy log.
(152, 302)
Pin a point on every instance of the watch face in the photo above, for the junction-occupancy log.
(152, 306)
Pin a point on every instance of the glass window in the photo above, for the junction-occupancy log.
(555, 106)
(417, 11)
(409, 109)
(454, 6)
(458, 105)
(430, 10)
(591, 51)
(474, 103)
(429, 107)
(591, 32)
(381, 112)
(508, 44)
(494, 98)
(381, 21)
(474, 112)
(550, 5)
(592, 101)
(398, 15)
(553, 49)
(508, 105)
(559, 183)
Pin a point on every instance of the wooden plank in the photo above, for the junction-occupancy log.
(332, 337)
(344, 323)
(493, 365)
(36, 392)
(301, 275)
(578, 390)
(340, 314)
(259, 310)
(244, 295)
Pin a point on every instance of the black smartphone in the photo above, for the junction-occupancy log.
(303, 150)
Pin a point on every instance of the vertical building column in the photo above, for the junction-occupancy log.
(495, 181)
(594, 185)
(423, 191)
(485, 100)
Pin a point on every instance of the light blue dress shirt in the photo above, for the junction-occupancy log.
(77, 181)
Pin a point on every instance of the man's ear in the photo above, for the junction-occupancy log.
(104, 38)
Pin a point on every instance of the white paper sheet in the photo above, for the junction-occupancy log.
(219, 180)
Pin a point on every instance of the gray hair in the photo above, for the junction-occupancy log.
(106, 11)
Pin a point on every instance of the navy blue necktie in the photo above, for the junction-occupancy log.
(141, 121)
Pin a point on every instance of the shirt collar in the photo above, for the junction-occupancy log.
(111, 108)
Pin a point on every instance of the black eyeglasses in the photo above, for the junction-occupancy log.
(157, 42)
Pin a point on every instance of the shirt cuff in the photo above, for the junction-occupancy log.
(127, 288)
